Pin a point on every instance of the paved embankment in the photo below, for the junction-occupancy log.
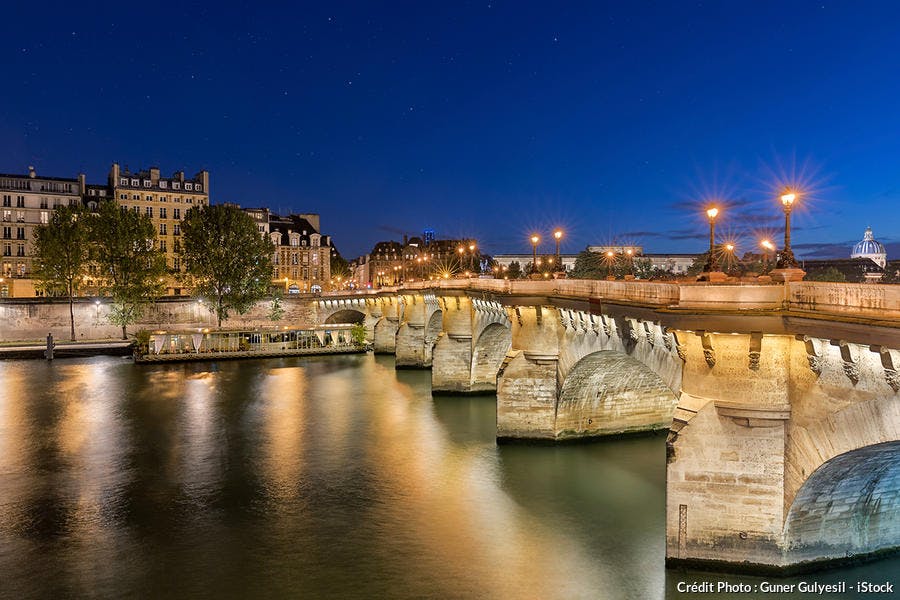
(63, 350)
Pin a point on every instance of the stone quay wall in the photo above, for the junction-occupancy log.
(29, 320)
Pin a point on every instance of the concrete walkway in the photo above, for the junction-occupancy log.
(66, 349)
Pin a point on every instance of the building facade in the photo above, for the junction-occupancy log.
(302, 259)
(414, 259)
(165, 200)
(26, 202)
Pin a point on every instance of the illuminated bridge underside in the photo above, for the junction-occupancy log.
(849, 506)
(611, 393)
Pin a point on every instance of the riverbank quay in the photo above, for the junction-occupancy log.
(66, 350)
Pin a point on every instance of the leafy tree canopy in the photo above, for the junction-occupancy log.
(131, 266)
(61, 251)
(226, 258)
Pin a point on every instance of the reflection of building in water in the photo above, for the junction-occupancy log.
(870, 248)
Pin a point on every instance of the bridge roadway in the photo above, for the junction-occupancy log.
(780, 401)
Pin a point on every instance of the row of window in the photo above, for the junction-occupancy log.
(164, 230)
(163, 213)
(44, 202)
(7, 233)
(7, 216)
(8, 269)
(7, 250)
(163, 184)
(149, 198)
(294, 272)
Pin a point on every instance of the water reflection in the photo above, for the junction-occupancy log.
(315, 477)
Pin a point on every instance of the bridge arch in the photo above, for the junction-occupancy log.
(433, 329)
(345, 316)
(609, 392)
(488, 353)
(850, 505)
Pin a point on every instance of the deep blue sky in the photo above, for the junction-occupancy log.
(485, 119)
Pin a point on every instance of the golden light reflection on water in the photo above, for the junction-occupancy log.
(462, 518)
(281, 394)
(202, 440)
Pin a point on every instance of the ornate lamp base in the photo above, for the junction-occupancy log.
(790, 274)
(712, 276)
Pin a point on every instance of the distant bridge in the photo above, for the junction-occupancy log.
(781, 401)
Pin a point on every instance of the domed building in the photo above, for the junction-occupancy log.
(871, 248)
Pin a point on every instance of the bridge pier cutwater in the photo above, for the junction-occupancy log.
(781, 401)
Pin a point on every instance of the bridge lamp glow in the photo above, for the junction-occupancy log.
(535, 238)
(711, 263)
(558, 235)
(787, 260)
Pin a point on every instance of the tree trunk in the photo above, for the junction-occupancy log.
(71, 314)
(124, 333)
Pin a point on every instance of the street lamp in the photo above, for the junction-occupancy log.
(535, 238)
(730, 256)
(558, 235)
(787, 260)
(629, 252)
(711, 263)
(766, 246)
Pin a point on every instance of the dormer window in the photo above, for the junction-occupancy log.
(198, 187)
(135, 182)
(146, 183)
(189, 186)
(176, 185)
(163, 184)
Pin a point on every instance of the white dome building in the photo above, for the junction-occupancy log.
(869, 247)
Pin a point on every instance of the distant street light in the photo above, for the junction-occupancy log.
(767, 247)
(535, 239)
(712, 263)
(558, 235)
(787, 260)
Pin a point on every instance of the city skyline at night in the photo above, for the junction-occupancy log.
(486, 120)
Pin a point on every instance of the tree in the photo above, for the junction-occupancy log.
(358, 334)
(225, 258)
(130, 265)
(340, 269)
(827, 274)
(61, 255)
(643, 268)
(515, 270)
(276, 310)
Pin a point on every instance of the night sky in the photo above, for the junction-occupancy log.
(487, 119)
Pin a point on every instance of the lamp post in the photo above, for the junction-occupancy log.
(711, 263)
(535, 238)
(766, 246)
(787, 260)
(729, 258)
(472, 247)
(558, 235)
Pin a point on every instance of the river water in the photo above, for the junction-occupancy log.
(317, 477)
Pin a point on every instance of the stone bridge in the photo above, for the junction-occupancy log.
(781, 401)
